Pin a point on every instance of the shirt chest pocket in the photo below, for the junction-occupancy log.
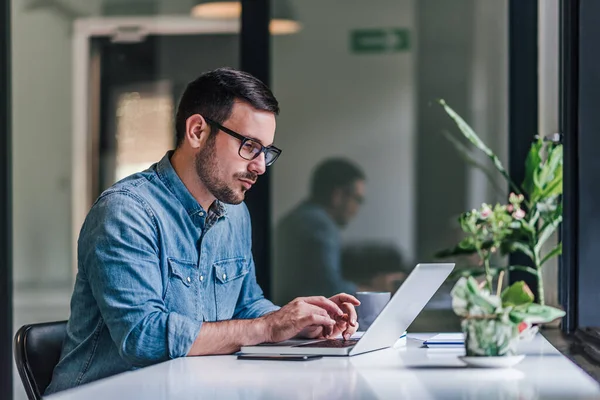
(229, 277)
(182, 290)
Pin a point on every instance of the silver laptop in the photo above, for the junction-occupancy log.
(402, 309)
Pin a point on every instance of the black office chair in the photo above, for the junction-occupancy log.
(37, 351)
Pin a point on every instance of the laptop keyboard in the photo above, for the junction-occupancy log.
(332, 343)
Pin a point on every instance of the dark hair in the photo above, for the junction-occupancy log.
(213, 93)
(332, 174)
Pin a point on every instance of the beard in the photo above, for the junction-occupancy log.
(208, 171)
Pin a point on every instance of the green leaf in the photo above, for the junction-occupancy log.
(486, 302)
(465, 247)
(537, 182)
(472, 137)
(553, 165)
(531, 164)
(517, 294)
(453, 252)
(556, 251)
(528, 229)
(550, 209)
(546, 232)
(466, 272)
(472, 285)
(522, 268)
(534, 313)
(536, 215)
(516, 317)
(515, 246)
(464, 223)
(549, 176)
(554, 188)
(476, 271)
(468, 157)
(547, 207)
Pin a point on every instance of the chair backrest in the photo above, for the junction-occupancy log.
(37, 350)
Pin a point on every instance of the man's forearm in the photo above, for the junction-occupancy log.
(227, 337)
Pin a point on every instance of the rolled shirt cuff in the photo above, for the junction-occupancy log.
(182, 331)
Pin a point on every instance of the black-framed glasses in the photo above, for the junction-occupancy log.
(250, 148)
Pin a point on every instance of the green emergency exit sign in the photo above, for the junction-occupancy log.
(379, 40)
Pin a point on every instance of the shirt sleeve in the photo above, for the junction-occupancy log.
(119, 255)
(251, 302)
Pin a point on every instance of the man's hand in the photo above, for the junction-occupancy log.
(308, 317)
(346, 323)
(302, 313)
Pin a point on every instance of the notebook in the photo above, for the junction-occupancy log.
(446, 340)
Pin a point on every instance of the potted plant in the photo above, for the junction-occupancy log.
(526, 222)
(493, 324)
(486, 230)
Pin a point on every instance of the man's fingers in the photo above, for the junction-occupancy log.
(350, 330)
(352, 325)
(345, 298)
(316, 319)
(351, 312)
(328, 331)
(319, 310)
(308, 309)
(324, 303)
(335, 331)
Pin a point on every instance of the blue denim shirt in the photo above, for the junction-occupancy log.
(151, 268)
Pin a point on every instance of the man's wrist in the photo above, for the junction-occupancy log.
(259, 330)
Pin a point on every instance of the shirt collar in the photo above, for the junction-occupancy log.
(218, 209)
(169, 177)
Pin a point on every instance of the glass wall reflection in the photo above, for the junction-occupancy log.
(358, 86)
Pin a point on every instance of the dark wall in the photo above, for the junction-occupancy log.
(255, 58)
(522, 103)
(5, 205)
(568, 121)
(589, 164)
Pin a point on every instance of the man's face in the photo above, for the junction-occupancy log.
(220, 167)
(346, 202)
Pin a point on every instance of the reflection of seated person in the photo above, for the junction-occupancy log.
(374, 267)
(307, 239)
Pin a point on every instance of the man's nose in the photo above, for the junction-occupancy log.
(258, 165)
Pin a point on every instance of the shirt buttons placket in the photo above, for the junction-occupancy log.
(224, 276)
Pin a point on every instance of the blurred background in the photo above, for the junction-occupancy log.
(96, 85)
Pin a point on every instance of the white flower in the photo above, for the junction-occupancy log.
(519, 214)
(486, 212)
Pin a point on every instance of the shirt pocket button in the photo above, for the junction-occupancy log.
(183, 272)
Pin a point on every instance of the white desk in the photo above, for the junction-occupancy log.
(410, 372)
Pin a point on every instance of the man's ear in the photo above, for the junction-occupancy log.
(196, 131)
